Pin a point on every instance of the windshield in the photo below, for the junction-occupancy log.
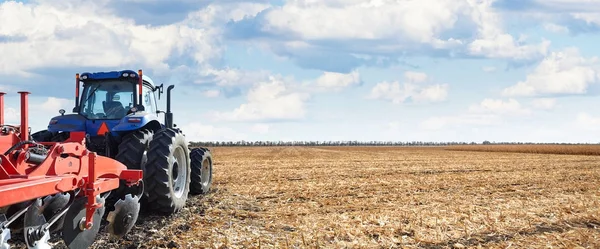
(107, 99)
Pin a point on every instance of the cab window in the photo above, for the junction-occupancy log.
(148, 98)
(106, 100)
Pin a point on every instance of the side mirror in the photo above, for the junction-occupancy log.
(62, 112)
(160, 90)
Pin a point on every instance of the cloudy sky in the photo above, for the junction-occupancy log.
(433, 70)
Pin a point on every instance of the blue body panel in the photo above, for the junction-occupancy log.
(69, 122)
(76, 122)
(125, 125)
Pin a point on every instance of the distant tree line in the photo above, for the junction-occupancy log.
(349, 143)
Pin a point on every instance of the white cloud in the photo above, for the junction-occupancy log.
(571, 5)
(420, 20)
(587, 122)
(415, 77)
(269, 100)
(401, 26)
(552, 27)
(53, 104)
(337, 81)
(544, 103)
(232, 76)
(213, 93)
(564, 72)
(499, 107)
(40, 111)
(413, 89)
(500, 45)
(196, 132)
(260, 128)
(489, 69)
(589, 18)
(437, 123)
(494, 42)
(12, 115)
(60, 34)
(487, 112)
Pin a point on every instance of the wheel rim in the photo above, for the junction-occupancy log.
(205, 172)
(179, 172)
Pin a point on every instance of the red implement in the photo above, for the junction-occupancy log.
(31, 170)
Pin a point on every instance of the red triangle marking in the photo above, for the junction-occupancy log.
(103, 129)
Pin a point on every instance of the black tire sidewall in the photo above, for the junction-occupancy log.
(158, 180)
(139, 139)
(197, 156)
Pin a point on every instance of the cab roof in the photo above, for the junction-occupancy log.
(87, 76)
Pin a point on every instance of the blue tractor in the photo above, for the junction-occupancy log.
(119, 113)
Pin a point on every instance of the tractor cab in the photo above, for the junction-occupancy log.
(111, 104)
(107, 100)
(112, 97)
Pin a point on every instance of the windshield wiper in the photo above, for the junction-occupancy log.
(89, 96)
(93, 92)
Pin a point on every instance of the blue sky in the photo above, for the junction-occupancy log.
(433, 70)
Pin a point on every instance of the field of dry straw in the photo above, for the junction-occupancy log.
(580, 149)
(353, 197)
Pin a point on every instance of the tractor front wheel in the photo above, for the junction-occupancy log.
(201, 179)
(167, 172)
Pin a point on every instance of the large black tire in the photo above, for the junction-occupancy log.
(167, 173)
(201, 164)
(133, 148)
(42, 136)
(48, 136)
(132, 153)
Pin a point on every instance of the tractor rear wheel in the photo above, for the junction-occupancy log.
(132, 152)
(201, 163)
(133, 149)
(48, 136)
(42, 136)
(167, 172)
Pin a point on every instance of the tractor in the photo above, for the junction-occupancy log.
(119, 114)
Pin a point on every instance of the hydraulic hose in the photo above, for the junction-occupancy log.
(17, 145)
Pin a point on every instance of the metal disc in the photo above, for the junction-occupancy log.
(72, 234)
(33, 221)
(123, 218)
(52, 205)
(17, 225)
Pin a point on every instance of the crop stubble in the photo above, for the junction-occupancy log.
(382, 197)
(414, 197)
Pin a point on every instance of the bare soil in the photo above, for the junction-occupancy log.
(383, 197)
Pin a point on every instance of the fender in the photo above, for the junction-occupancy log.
(136, 121)
(68, 122)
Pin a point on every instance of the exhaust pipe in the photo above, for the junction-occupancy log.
(169, 114)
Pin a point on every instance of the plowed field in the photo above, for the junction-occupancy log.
(384, 197)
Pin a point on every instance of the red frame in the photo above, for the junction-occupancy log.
(68, 166)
